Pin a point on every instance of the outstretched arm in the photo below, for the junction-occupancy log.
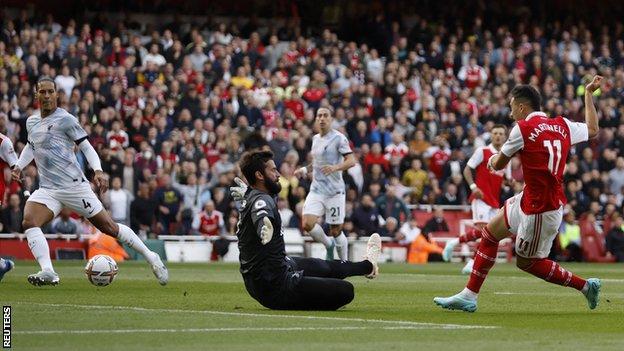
(591, 116)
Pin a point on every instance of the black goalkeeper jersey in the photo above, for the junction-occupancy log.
(265, 262)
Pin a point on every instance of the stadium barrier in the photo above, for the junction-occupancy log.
(189, 248)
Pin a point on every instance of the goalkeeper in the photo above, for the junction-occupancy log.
(272, 278)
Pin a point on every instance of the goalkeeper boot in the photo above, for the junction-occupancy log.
(373, 249)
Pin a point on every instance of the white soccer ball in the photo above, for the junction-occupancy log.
(101, 270)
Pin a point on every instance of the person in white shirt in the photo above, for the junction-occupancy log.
(53, 134)
(118, 201)
(65, 81)
(154, 56)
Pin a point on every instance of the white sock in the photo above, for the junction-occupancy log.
(469, 294)
(342, 245)
(319, 236)
(2, 264)
(585, 288)
(39, 247)
(129, 237)
(453, 242)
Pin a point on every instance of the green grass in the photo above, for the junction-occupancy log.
(527, 313)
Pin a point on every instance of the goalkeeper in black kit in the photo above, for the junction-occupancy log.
(271, 277)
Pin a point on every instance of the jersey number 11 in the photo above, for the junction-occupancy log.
(553, 159)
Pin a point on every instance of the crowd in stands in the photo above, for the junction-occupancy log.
(171, 109)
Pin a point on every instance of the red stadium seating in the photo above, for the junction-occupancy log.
(593, 244)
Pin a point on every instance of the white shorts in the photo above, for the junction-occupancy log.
(535, 232)
(482, 212)
(333, 207)
(81, 199)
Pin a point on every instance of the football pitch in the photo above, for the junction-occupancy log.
(206, 307)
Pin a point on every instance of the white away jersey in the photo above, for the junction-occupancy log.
(329, 149)
(52, 139)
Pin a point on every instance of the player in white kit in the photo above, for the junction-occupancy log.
(331, 156)
(51, 138)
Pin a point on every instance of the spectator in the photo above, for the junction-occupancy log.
(616, 176)
(118, 201)
(375, 157)
(142, 210)
(391, 229)
(436, 223)
(408, 232)
(570, 238)
(366, 217)
(192, 192)
(64, 224)
(615, 238)
(209, 222)
(391, 206)
(417, 179)
(168, 201)
(450, 196)
(12, 216)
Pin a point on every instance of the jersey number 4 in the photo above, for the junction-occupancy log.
(86, 204)
(554, 155)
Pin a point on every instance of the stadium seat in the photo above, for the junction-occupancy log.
(294, 241)
(593, 244)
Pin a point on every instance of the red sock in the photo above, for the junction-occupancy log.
(484, 259)
(552, 272)
(472, 235)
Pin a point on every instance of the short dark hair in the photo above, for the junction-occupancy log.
(500, 126)
(252, 162)
(328, 108)
(45, 79)
(528, 94)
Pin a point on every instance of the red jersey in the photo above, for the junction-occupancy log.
(8, 158)
(438, 158)
(489, 183)
(209, 224)
(396, 150)
(472, 75)
(543, 144)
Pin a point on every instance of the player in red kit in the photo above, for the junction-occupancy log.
(486, 191)
(535, 214)
(8, 158)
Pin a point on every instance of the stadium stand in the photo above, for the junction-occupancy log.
(171, 101)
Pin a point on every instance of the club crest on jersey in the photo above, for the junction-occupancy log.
(260, 204)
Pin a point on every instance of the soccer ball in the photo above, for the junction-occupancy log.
(101, 270)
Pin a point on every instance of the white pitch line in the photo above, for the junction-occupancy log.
(455, 276)
(571, 293)
(263, 315)
(210, 330)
